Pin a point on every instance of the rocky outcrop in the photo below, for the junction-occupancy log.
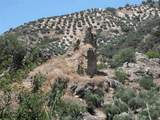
(143, 65)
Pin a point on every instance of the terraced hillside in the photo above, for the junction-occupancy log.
(61, 32)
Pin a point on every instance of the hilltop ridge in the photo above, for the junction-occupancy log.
(61, 32)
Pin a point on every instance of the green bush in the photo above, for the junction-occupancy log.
(146, 82)
(121, 76)
(12, 60)
(153, 54)
(34, 56)
(107, 50)
(94, 98)
(124, 55)
(12, 51)
(70, 111)
(123, 116)
(136, 103)
(18, 56)
(5, 84)
(64, 110)
(16, 49)
(15, 58)
(123, 107)
(18, 75)
(56, 93)
(6, 111)
(31, 107)
(101, 66)
(153, 112)
(111, 111)
(152, 43)
(151, 97)
(38, 81)
(125, 94)
(112, 10)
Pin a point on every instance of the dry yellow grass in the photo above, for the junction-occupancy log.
(63, 67)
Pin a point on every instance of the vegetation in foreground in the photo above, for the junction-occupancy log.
(16, 61)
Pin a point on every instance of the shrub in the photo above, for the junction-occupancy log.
(120, 75)
(125, 94)
(5, 84)
(64, 110)
(150, 96)
(70, 111)
(101, 66)
(34, 56)
(132, 39)
(18, 75)
(12, 50)
(146, 82)
(112, 10)
(94, 98)
(153, 112)
(115, 108)
(136, 103)
(56, 93)
(153, 54)
(124, 55)
(107, 50)
(123, 107)
(123, 116)
(151, 45)
(6, 112)
(125, 28)
(111, 110)
(31, 107)
(18, 56)
(16, 49)
(38, 81)
(5, 57)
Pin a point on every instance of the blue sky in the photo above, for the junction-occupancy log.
(17, 12)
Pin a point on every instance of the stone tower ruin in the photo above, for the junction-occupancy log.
(88, 58)
(91, 53)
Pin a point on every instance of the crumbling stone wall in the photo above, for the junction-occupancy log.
(91, 53)
(90, 38)
(88, 59)
(91, 62)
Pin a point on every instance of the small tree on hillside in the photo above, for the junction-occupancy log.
(56, 93)
(14, 49)
(124, 55)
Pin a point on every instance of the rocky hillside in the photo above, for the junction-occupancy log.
(61, 32)
(97, 64)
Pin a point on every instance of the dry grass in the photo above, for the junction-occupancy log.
(63, 67)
